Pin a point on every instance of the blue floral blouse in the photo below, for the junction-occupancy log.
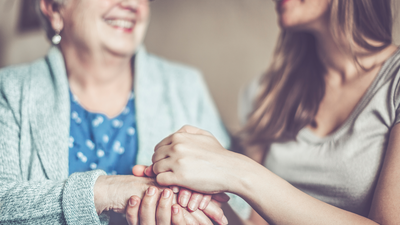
(98, 142)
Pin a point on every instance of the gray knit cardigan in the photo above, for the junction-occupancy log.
(34, 128)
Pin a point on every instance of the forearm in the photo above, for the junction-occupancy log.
(47, 201)
(278, 202)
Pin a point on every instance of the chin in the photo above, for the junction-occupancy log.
(286, 23)
(127, 50)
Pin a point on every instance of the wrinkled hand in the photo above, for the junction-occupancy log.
(194, 159)
(113, 192)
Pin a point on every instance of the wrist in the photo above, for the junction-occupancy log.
(246, 177)
(99, 192)
(113, 192)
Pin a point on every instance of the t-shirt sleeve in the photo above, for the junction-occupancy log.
(396, 97)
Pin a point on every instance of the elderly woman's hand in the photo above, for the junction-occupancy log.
(147, 211)
(113, 192)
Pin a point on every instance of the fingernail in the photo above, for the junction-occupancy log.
(183, 200)
(166, 193)
(192, 205)
(175, 209)
(202, 205)
(224, 220)
(151, 191)
(175, 189)
(132, 202)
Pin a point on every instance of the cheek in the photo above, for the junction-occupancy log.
(144, 10)
(304, 15)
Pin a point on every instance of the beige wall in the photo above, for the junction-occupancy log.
(230, 41)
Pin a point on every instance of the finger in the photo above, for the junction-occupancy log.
(138, 170)
(148, 206)
(201, 218)
(193, 130)
(175, 189)
(167, 178)
(184, 197)
(177, 216)
(161, 153)
(149, 171)
(163, 166)
(163, 215)
(132, 210)
(189, 218)
(221, 197)
(214, 212)
(194, 201)
(204, 202)
(164, 142)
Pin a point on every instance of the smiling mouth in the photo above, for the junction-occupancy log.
(123, 24)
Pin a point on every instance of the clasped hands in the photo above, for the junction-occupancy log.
(161, 205)
(198, 163)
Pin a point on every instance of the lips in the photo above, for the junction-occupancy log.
(121, 23)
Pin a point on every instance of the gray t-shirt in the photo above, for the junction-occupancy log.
(342, 169)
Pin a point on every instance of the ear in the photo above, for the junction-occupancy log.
(52, 11)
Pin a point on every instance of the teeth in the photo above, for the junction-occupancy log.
(121, 23)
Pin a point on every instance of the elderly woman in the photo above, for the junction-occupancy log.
(95, 105)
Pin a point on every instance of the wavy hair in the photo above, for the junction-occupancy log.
(293, 87)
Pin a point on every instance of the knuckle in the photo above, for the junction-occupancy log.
(178, 147)
(176, 137)
(180, 162)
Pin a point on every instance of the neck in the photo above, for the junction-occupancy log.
(97, 71)
(338, 56)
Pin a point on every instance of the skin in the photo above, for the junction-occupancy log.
(98, 56)
(193, 158)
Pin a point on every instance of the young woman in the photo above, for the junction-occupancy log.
(323, 124)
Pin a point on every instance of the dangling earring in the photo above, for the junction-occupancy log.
(56, 38)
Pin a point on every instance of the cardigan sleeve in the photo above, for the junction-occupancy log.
(39, 201)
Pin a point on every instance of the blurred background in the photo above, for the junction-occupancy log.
(230, 41)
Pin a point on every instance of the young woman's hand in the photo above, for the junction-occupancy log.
(146, 211)
(194, 159)
(158, 207)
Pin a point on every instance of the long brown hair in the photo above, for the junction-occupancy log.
(293, 87)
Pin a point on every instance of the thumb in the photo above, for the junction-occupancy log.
(138, 170)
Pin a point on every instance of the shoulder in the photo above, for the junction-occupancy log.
(14, 79)
(391, 71)
(174, 71)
